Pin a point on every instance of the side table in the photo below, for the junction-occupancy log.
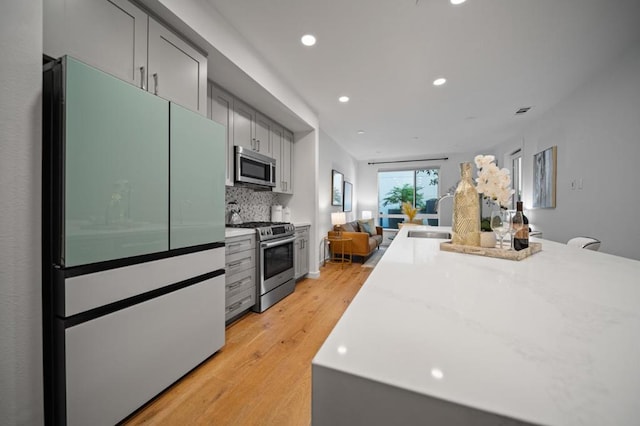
(340, 246)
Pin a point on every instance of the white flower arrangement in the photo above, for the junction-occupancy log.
(493, 183)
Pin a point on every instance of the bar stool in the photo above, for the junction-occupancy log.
(585, 243)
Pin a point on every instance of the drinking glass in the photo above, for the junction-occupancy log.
(500, 223)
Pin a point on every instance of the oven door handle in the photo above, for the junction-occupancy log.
(277, 243)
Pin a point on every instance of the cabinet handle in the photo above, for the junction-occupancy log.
(235, 306)
(237, 284)
(234, 264)
(155, 83)
(142, 85)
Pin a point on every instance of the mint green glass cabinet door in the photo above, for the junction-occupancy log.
(197, 179)
(116, 168)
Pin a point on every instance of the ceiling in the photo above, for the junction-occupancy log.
(497, 56)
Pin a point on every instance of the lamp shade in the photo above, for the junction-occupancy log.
(366, 214)
(338, 218)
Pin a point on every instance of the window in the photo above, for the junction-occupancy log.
(516, 177)
(419, 187)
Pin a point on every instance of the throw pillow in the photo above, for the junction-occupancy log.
(368, 226)
(349, 227)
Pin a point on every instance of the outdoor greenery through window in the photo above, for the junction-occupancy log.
(418, 187)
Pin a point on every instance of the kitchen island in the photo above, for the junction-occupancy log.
(444, 338)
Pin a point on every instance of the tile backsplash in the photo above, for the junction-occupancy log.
(254, 205)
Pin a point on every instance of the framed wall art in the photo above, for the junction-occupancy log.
(544, 178)
(336, 188)
(348, 190)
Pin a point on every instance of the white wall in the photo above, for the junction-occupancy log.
(334, 157)
(304, 202)
(21, 396)
(597, 131)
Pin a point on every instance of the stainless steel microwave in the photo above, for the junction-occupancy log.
(254, 168)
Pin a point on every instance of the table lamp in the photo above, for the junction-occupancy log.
(337, 220)
(366, 214)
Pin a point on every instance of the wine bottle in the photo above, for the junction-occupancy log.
(521, 237)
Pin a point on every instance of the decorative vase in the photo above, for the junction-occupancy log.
(466, 210)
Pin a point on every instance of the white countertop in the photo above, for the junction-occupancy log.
(237, 232)
(553, 339)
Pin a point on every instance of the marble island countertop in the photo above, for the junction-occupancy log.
(453, 338)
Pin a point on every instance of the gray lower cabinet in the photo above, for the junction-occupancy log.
(121, 39)
(240, 271)
(301, 254)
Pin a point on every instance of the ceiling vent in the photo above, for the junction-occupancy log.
(522, 110)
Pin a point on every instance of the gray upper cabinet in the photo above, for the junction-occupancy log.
(221, 110)
(282, 145)
(263, 135)
(244, 120)
(117, 37)
(277, 134)
(107, 34)
(250, 129)
(177, 72)
(286, 163)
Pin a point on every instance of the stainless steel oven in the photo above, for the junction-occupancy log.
(275, 265)
(276, 271)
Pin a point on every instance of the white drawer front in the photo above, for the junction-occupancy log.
(117, 362)
(101, 288)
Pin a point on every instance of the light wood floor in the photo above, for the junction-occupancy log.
(262, 376)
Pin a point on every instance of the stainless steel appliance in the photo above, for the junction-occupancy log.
(275, 266)
(254, 168)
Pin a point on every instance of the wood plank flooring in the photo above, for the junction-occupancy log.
(262, 376)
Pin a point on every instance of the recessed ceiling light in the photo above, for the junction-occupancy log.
(457, 2)
(308, 40)
(343, 99)
(361, 132)
(439, 81)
